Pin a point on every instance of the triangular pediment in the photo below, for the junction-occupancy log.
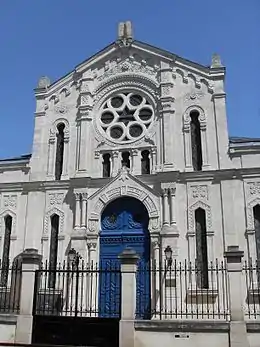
(124, 184)
(114, 59)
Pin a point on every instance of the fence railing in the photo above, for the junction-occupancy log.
(10, 287)
(182, 290)
(83, 290)
(251, 275)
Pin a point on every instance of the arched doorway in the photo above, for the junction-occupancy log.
(124, 223)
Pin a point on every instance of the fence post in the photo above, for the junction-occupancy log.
(129, 260)
(238, 332)
(31, 261)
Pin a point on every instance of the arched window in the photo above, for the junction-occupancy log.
(201, 248)
(6, 250)
(59, 151)
(145, 162)
(256, 211)
(106, 165)
(126, 159)
(196, 141)
(53, 249)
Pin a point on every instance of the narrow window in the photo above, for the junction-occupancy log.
(196, 141)
(126, 159)
(6, 250)
(201, 248)
(59, 151)
(145, 162)
(53, 249)
(106, 165)
(256, 211)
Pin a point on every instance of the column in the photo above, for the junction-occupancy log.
(115, 163)
(92, 300)
(165, 204)
(187, 148)
(219, 100)
(250, 233)
(172, 207)
(128, 260)
(82, 156)
(204, 145)
(84, 210)
(153, 160)
(51, 156)
(156, 280)
(136, 162)
(65, 157)
(31, 262)
(238, 331)
(167, 112)
(78, 212)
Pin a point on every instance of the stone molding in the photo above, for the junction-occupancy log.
(47, 224)
(3, 214)
(191, 216)
(124, 184)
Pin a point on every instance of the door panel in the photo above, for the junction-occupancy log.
(125, 225)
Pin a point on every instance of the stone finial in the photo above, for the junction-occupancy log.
(125, 31)
(44, 82)
(216, 61)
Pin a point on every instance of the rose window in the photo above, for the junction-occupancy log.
(126, 117)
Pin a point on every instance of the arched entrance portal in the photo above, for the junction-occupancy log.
(124, 223)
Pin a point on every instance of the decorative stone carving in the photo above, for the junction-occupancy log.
(216, 61)
(254, 188)
(191, 215)
(61, 109)
(129, 66)
(10, 201)
(5, 213)
(250, 213)
(123, 184)
(47, 223)
(55, 199)
(193, 96)
(43, 82)
(93, 225)
(199, 192)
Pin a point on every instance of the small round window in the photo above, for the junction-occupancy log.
(126, 117)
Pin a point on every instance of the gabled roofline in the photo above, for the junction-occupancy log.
(142, 45)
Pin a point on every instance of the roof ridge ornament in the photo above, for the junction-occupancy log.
(125, 34)
(216, 61)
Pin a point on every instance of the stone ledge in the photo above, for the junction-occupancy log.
(8, 319)
(253, 327)
(184, 326)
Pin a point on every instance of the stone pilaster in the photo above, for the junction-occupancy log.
(167, 111)
(128, 260)
(31, 261)
(238, 331)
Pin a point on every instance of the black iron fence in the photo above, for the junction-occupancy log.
(179, 291)
(251, 275)
(84, 290)
(10, 287)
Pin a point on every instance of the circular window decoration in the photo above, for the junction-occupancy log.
(126, 117)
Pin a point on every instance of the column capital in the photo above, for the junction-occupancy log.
(115, 154)
(77, 195)
(165, 192)
(84, 196)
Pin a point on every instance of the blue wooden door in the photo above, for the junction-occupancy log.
(124, 224)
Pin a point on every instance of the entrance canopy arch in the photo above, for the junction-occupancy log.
(124, 185)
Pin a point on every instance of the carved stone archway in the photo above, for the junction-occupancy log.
(124, 184)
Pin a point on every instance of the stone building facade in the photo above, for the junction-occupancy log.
(133, 122)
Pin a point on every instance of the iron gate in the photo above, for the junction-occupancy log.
(68, 305)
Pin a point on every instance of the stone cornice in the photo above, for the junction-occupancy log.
(150, 180)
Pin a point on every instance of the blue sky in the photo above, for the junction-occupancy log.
(50, 37)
